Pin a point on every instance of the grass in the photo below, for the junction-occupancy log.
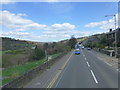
(13, 51)
(56, 55)
(0, 52)
(11, 73)
(9, 60)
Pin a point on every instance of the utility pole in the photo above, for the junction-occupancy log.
(46, 57)
(116, 53)
(115, 33)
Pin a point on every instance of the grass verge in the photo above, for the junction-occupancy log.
(55, 55)
(11, 73)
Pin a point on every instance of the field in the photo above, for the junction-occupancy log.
(12, 58)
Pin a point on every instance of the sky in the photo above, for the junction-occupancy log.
(55, 21)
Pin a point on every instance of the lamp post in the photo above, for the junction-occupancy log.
(115, 33)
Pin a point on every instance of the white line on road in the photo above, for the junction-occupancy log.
(108, 64)
(94, 77)
(85, 58)
(88, 64)
(83, 53)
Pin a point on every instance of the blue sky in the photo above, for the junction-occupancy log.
(55, 21)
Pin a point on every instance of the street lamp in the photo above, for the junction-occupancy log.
(115, 33)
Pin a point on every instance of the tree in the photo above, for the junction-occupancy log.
(39, 53)
(72, 42)
(45, 46)
(53, 44)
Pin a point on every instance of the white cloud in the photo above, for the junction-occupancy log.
(48, 35)
(18, 22)
(63, 31)
(21, 14)
(61, 27)
(6, 1)
(20, 27)
(105, 25)
(10, 33)
(96, 24)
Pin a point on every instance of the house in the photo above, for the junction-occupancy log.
(111, 39)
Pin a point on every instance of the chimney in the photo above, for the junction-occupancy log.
(110, 30)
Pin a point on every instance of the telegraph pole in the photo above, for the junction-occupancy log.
(116, 53)
(46, 57)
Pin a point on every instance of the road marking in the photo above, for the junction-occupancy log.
(94, 76)
(83, 55)
(108, 64)
(60, 78)
(43, 86)
(57, 75)
(88, 64)
(85, 58)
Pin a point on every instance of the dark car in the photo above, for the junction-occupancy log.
(88, 48)
(77, 52)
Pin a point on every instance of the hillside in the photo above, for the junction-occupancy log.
(15, 44)
(16, 52)
(97, 40)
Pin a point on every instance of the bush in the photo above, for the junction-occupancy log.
(39, 53)
(72, 42)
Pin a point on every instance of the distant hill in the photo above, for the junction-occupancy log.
(15, 44)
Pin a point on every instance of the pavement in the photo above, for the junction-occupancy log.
(86, 70)
(112, 61)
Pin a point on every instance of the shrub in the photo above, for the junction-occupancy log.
(39, 53)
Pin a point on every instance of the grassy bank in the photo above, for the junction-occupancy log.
(11, 73)
(55, 55)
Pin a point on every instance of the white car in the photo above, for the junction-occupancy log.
(77, 49)
(82, 47)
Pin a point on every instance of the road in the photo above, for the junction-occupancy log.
(77, 71)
